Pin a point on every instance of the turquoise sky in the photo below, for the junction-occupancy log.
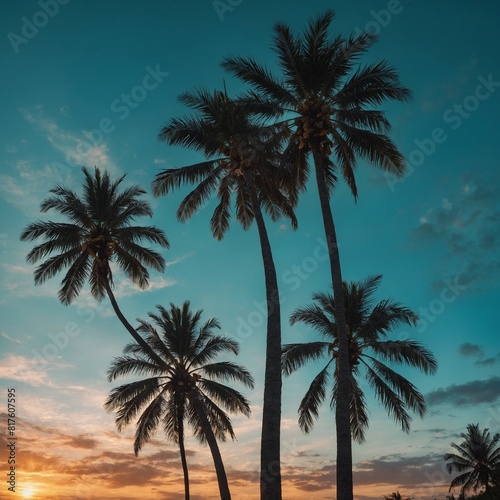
(92, 82)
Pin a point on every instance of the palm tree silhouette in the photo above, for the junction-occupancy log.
(99, 232)
(332, 102)
(477, 460)
(396, 496)
(241, 166)
(369, 350)
(186, 386)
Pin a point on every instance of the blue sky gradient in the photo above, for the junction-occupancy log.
(91, 83)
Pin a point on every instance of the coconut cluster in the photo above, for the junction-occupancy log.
(234, 163)
(314, 123)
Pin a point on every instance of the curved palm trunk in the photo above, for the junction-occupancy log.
(130, 328)
(270, 472)
(182, 450)
(214, 448)
(342, 418)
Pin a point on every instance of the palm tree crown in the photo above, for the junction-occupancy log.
(369, 349)
(187, 386)
(477, 460)
(331, 98)
(99, 232)
(233, 144)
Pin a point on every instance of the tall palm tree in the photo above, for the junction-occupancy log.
(477, 460)
(185, 387)
(240, 167)
(329, 102)
(369, 351)
(99, 233)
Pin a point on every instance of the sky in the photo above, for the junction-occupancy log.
(91, 83)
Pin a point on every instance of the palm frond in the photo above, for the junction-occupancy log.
(173, 178)
(75, 277)
(314, 397)
(225, 396)
(148, 422)
(251, 72)
(294, 356)
(219, 223)
(389, 399)
(406, 351)
(226, 370)
(314, 316)
(126, 365)
(406, 390)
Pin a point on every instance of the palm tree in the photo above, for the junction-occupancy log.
(99, 232)
(369, 350)
(186, 386)
(241, 163)
(477, 460)
(332, 103)
(396, 496)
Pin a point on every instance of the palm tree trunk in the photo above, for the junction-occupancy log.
(214, 448)
(270, 472)
(182, 450)
(130, 328)
(342, 417)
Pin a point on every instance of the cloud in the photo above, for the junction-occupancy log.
(126, 288)
(5, 335)
(468, 394)
(17, 282)
(22, 187)
(78, 149)
(466, 223)
(179, 259)
(488, 361)
(398, 469)
(470, 350)
(103, 465)
(19, 368)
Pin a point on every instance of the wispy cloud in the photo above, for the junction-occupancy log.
(475, 351)
(126, 288)
(5, 335)
(77, 148)
(31, 371)
(466, 223)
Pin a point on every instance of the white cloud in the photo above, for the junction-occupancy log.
(179, 259)
(5, 335)
(31, 371)
(126, 288)
(78, 148)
